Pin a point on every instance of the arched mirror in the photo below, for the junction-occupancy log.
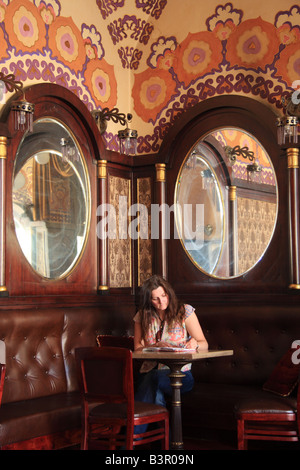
(51, 208)
(226, 202)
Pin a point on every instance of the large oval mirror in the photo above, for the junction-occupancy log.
(51, 207)
(226, 203)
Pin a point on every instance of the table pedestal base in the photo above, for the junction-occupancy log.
(175, 361)
(176, 376)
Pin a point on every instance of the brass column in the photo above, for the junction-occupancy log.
(103, 237)
(161, 199)
(3, 159)
(294, 219)
(233, 234)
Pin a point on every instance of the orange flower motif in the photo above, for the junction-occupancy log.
(25, 27)
(288, 65)
(101, 81)
(198, 54)
(152, 90)
(254, 43)
(66, 43)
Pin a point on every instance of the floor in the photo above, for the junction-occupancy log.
(227, 442)
(203, 444)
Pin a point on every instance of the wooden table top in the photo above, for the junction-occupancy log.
(182, 355)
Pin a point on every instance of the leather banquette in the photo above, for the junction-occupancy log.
(41, 405)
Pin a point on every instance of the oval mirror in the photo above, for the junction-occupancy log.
(226, 203)
(50, 199)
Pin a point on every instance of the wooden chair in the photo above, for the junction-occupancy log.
(263, 420)
(274, 415)
(109, 412)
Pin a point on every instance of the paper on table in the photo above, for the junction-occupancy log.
(167, 349)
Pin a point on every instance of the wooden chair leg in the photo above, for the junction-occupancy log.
(242, 442)
(165, 442)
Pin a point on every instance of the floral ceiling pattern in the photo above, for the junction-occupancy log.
(165, 73)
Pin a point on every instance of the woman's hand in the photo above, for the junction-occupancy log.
(194, 329)
(191, 344)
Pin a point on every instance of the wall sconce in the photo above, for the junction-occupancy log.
(127, 137)
(252, 169)
(69, 151)
(287, 126)
(254, 172)
(23, 110)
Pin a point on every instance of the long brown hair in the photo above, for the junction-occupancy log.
(174, 312)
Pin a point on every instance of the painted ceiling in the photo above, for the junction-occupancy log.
(153, 58)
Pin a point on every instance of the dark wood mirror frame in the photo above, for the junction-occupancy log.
(272, 273)
(18, 277)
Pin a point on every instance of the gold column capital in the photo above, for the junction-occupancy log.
(160, 172)
(293, 157)
(3, 146)
(102, 169)
(232, 193)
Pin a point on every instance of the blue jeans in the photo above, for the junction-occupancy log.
(155, 385)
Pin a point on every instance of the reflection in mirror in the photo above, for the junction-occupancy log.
(238, 199)
(198, 187)
(50, 199)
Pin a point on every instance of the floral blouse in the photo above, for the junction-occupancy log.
(176, 335)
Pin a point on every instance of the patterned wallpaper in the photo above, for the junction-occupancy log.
(154, 58)
(255, 229)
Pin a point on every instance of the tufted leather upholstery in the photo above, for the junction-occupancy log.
(258, 334)
(40, 392)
